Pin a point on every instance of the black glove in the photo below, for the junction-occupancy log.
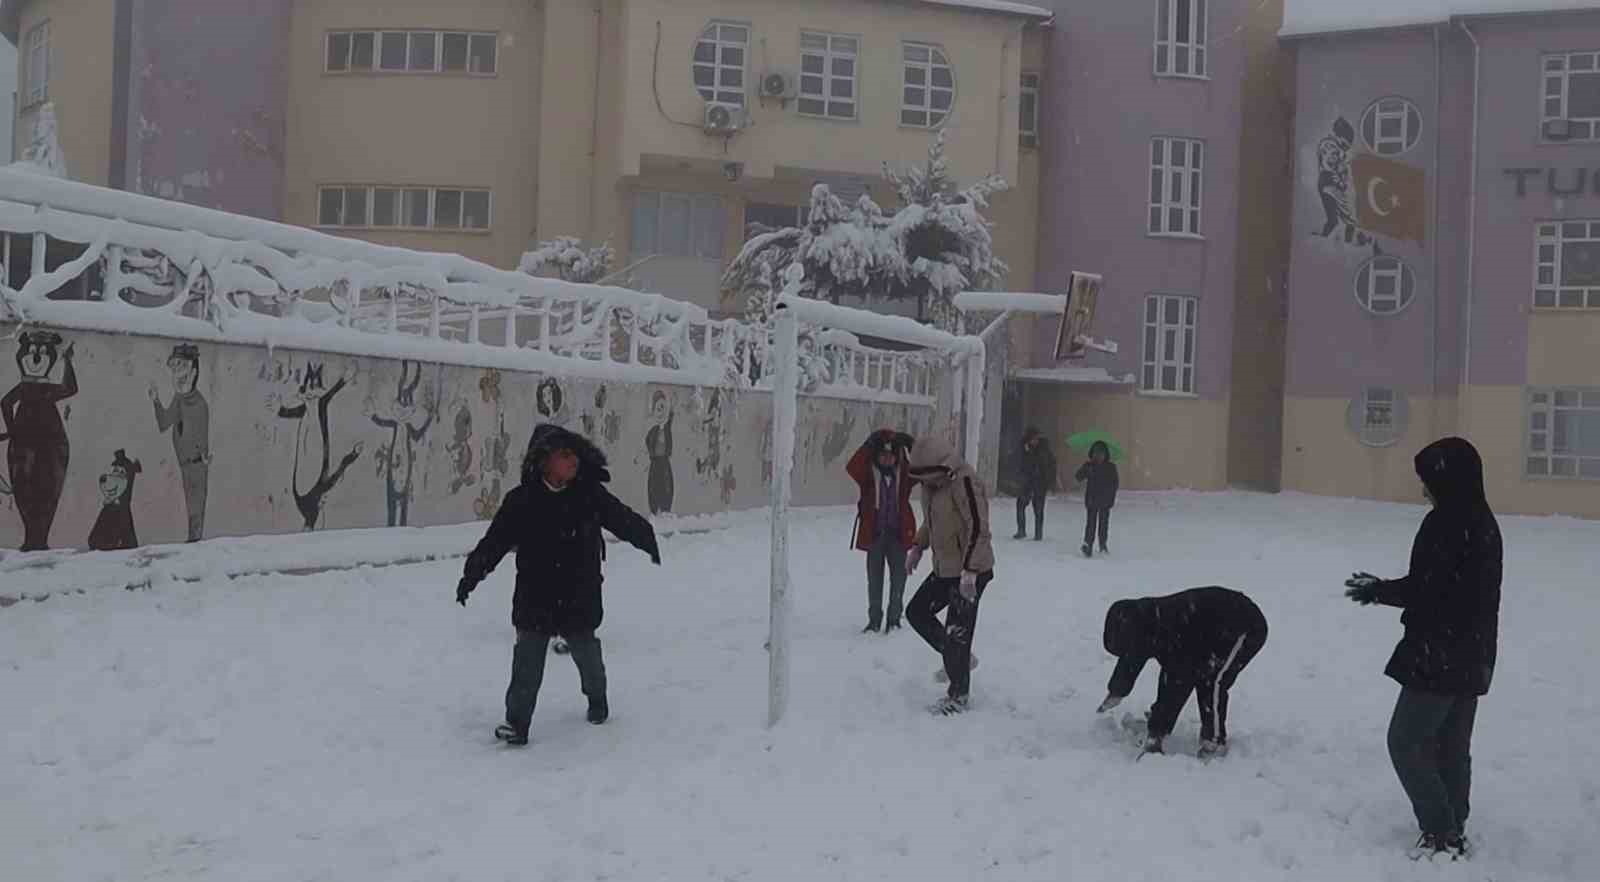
(464, 588)
(904, 441)
(1363, 588)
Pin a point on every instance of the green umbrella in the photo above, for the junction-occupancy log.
(1082, 441)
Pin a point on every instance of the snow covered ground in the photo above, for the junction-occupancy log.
(338, 725)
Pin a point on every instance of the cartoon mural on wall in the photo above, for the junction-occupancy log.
(397, 458)
(188, 418)
(1365, 196)
(460, 450)
(295, 406)
(113, 530)
(658, 446)
(712, 423)
(839, 437)
(37, 451)
(548, 399)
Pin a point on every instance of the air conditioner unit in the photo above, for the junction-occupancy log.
(778, 84)
(1557, 130)
(723, 119)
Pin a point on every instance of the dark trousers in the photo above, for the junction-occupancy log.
(1035, 499)
(953, 639)
(1097, 519)
(1210, 688)
(886, 551)
(527, 671)
(1430, 744)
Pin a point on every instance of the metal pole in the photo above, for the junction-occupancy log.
(783, 432)
(975, 372)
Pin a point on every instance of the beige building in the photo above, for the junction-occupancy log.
(484, 126)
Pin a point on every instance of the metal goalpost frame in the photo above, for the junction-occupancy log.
(790, 312)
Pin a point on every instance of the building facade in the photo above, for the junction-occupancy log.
(1446, 259)
(484, 126)
(1162, 144)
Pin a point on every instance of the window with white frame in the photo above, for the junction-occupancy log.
(828, 75)
(1176, 165)
(1028, 110)
(412, 52)
(1391, 126)
(1181, 38)
(930, 86)
(1567, 265)
(1571, 97)
(677, 225)
(1169, 343)
(410, 208)
(1385, 285)
(719, 63)
(1563, 433)
(37, 49)
(762, 217)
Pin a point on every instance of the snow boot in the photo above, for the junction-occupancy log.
(871, 628)
(599, 710)
(1088, 550)
(560, 645)
(892, 626)
(1020, 534)
(1435, 846)
(1104, 549)
(940, 676)
(511, 735)
(1213, 749)
(949, 706)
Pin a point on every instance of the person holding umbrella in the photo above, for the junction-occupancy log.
(1100, 495)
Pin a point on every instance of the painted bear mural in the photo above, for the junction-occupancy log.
(113, 530)
(37, 451)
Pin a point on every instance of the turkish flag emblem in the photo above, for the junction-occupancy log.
(1391, 197)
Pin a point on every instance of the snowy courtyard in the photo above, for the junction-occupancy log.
(338, 725)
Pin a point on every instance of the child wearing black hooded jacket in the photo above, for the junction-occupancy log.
(1099, 496)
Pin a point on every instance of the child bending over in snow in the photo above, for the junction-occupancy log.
(1202, 639)
(553, 520)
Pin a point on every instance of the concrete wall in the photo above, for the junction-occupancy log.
(446, 455)
(81, 72)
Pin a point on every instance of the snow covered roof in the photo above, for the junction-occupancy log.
(1086, 376)
(1305, 18)
(1004, 7)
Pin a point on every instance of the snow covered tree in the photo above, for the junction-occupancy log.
(567, 257)
(43, 154)
(945, 242)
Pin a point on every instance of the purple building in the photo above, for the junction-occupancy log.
(1445, 274)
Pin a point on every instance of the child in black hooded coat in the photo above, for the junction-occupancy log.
(1100, 496)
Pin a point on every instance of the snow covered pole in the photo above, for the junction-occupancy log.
(975, 368)
(784, 383)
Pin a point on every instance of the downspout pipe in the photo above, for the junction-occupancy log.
(1438, 287)
(1472, 215)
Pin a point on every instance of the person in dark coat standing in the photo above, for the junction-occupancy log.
(1202, 638)
(886, 527)
(1038, 479)
(553, 519)
(1099, 497)
(1445, 660)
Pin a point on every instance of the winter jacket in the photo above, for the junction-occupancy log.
(1451, 596)
(1038, 465)
(556, 534)
(1192, 634)
(955, 510)
(1102, 477)
(863, 469)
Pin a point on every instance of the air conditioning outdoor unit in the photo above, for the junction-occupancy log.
(778, 84)
(1557, 130)
(721, 119)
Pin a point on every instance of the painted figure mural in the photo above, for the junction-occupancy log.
(113, 530)
(295, 406)
(712, 423)
(188, 418)
(397, 459)
(1333, 186)
(460, 450)
(658, 445)
(548, 400)
(37, 450)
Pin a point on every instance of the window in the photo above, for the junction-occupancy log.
(1564, 433)
(1391, 126)
(1169, 344)
(1571, 97)
(38, 53)
(719, 60)
(1028, 111)
(1567, 265)
(1181, 38)
(930, 86)
(412, 52)
(417, 208)
(828, 75)
(1378, 416)
(1175, 168)
(1385, 285)
(677, 225)
(773, 217)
